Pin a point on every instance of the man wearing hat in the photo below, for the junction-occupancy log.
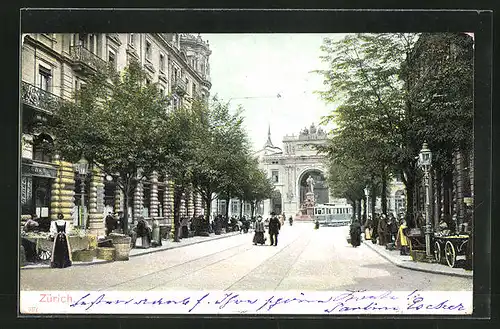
(274, 228)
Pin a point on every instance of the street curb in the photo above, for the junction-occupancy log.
(225, 235)
(414, 268)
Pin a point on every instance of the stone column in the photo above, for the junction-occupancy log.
(119, 199)
(168, 202)
(183, 205)
(138, 199)
(62, 192)
(96, 203)
(190, 203)
(197, 205)
(154, 203)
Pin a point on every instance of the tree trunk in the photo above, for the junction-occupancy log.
(125, 212)
(353, 206)
(373, 194)
(360, 211)
(439, 194)
(364, 210)
(447, 202)
(178, 191)
(228, 199)
(252, 209)
(383, 196)
(241, 209)
(127, 190)
(409, 183)
(206, 218)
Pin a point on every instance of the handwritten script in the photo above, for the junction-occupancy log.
(286, 302)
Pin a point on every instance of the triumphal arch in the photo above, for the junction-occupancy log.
(290, 168)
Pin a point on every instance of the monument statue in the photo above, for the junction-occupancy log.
(310, 184)
(312, 129)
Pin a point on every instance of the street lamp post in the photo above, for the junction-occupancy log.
(403, 204)
(367, 203)
(425, 162)
(82, 167)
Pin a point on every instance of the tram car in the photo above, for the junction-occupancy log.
(333, 214)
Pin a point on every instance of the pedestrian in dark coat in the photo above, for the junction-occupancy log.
(274, 228)
(383, 231)
(355, 232)
(375, 228)
(111, 223)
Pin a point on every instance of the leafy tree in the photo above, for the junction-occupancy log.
(395, 93)
(183, 141)
(116, 122)
(439, 81)
(223, 145)
(374, 127)
(257, 186)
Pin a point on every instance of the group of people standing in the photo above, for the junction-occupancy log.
(387, 230)
(274, 228)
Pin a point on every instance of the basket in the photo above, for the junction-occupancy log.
(83, 255)
(122, 248)
(105, 253)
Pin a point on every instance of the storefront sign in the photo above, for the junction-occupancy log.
(35, 170)
(26, 194)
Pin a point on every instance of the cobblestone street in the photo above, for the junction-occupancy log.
(304, 259)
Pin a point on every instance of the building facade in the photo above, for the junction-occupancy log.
(289, 167)
(53, 67)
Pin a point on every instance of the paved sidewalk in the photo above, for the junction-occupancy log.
(406, 262)
(166, 245)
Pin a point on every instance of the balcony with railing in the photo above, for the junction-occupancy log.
(179, 87)
(84, 59)
(38, 98)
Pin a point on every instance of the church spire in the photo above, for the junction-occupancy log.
(269, 143)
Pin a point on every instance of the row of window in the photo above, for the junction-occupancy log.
(332, 211)
(176, 75)
(90, 42)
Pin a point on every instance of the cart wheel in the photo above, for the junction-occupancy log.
(44, 255)
(450, 253)
(437, 251)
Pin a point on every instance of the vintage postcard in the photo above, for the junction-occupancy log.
(247, 173)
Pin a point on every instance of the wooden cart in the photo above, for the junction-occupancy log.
(450, 247)
(43, 247)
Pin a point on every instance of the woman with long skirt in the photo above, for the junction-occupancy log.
(258, 237)
(61, 250)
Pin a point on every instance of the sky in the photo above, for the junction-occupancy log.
(252, 69)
